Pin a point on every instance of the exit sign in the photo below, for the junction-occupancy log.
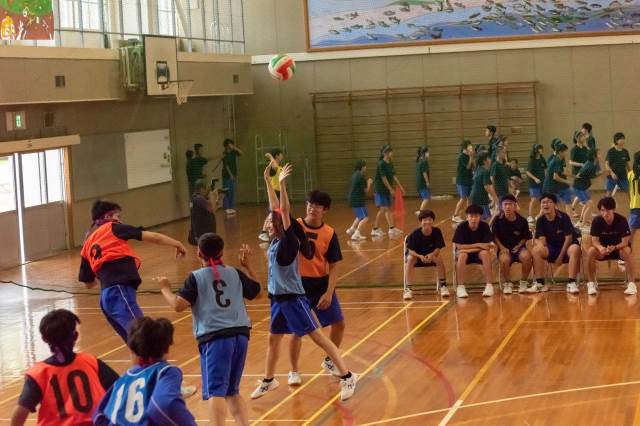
(15, 120)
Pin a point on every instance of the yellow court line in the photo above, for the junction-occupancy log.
(99, 356)
(368, 262)
(319, 373)
(483, 370)
(379, 360)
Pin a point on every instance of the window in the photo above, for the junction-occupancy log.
(70, 15)
(55, 175)
(42, 177)
(7, 195)
(166, 23)
(91, 15)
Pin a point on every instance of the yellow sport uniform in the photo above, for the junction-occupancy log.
(634, 200)
(275, 179)
(7, 29)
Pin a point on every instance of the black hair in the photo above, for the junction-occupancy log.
(555, 143)
(561, 147)
(483, 157)
(198, 145)
(534, 151)
(464, 144)
(636, 166)
(421, 152)
(227, 142)
(508, 197)
(609, 203)
(513, 159)
(359, 164)
(275, 152)
(150, 339)
(577, 134)
(321, 198)
(550, 196)
(210, 245)
(587, 127)
(58, 330)
(100, 208)
(617, 137)
(492, 129)
(189, 154)
(385, 148)
(426, 213)
(474, 209)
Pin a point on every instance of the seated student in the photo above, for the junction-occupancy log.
(149, 392)
(69, 385)
(511, 232)
(556, 242)
(473, 242)
(423, 247)
(515, 177)
(215, 293)
(610, 239)
(482, 187)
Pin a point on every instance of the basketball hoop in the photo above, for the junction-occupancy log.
(183, 89)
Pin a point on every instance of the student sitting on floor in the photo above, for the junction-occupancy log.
(473, 242)
(423, 247)
(69, 385)
(610, 238)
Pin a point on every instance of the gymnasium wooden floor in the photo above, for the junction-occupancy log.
(546, 359)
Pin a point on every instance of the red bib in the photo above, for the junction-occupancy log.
(103, 246)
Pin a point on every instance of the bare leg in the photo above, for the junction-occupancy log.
(505, 259)
(238, 408)
(320, 339)
(361, 225)
(272, 354)
(411, 263)
(380, 213)
(337, 333)
(461, 265)
(217, 411)
(389, 216)
(485, 257)
(526, 260)
(355, 224)
(424, 204)
(540, 255)
(531, 205)
(459, 206)
(592, 257)
(574, 261)
(586, 213)
(295, 344)
(442, 272)
(625, 254)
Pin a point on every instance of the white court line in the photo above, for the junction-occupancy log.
(396, 302)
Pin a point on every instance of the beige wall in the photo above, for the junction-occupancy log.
(598, 84)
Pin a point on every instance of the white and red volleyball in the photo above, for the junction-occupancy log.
(282, 67)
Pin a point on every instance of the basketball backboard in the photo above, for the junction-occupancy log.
(161, 65)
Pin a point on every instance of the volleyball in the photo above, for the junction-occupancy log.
(282, 67)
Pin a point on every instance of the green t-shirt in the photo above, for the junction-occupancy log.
(536, 167)
(579, 155)
(556, 165)
(514, 172)
(357, 187)
(194, 168)
(618, 160)
(384, 169)
(586, 172)
(479, 194)
(422, 166)
(464, 176)
(500, 175)
(229, 160)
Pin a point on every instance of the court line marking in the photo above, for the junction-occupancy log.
(488, 364)
(368, 262)
(380, 359)
(344, 354)
(584, 320)
(377, 302)
(508, 399)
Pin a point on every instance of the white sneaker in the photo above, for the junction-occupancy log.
(488, 290)
(572, 288)
(530, 219)
(294, 379)
(631, 289)
(592, 290)
(263, 237)
(522, 288)
(507, 288)
(330, 367)
(543, 288)
(461, 291)
(377, 232)
(395, 231)
(264, 387)
(187, 390)
(417, 212)
(456, 219)
(535, 287)
(621, 262)
(357, 236)
(407, 294)
(351, 231)
(348, 387)
(444, 291)
(230, 211)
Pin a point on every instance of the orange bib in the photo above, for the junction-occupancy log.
(103, 246)
(319, 238)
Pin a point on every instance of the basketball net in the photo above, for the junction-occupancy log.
(183, 89)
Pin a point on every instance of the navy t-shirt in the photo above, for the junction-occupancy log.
(510, 233)
(556, 230)
(610, 235)
(464, 234)
(425, 244)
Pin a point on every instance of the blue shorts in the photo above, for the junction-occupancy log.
(583, 195)
(221, 365)
(473, 258)
(463, 191)
(382, 200)
(326, 316)
(554, 252)
(515, 257)
(120, 307)
(566, 195)
(622, 182)
(292, 316)
(535, 192)
(425, 194)
(360, 212)
(634, 221)
(486, 212)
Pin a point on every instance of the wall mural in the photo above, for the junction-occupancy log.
(339, 24)
(26, 20)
